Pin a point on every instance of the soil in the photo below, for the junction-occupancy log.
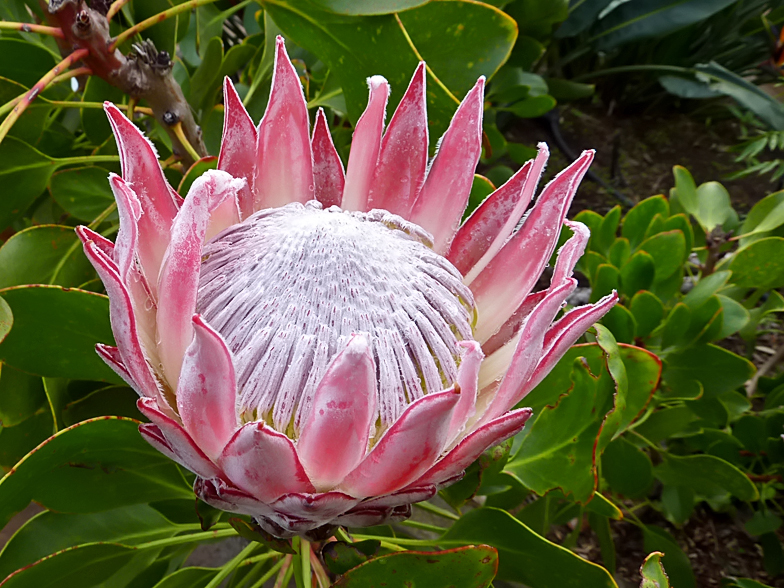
(636, 151)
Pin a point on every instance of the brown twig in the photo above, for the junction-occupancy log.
(155, 19)
(39, 87)
(770, 363)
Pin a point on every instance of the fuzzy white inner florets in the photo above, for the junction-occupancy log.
(288, 286)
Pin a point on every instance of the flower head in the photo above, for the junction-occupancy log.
(311, 343)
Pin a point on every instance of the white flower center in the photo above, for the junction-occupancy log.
(288, 286)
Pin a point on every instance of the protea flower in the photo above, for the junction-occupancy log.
(311, 344)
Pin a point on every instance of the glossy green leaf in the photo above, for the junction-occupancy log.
(206, 79)
(637, 220)
(6, 319)
(21, 395)
(676, 325)
(665, 423)
(459, 40)
(652, 572)
(525, 556)
(717, 369)
(606, 279)
(621, 323)
(619, 252)
(108, 400)
(55, 332)
(668, 251)
(24, 174)
(601, 526)
(736, 317)
(714, 206)
(567, 90)
(760, 264)
(83, 192)
(676, 562)
(46, 254)
(24, 62)
(705, 288)
(533, 106)
(558, 450)
(481, 188)
(464, 567)
(85, 565)
(605, 235)
(677, 503)
(526, 52)
(705, 322)
(96, 465)
(681, 222)
(536, 18)
(646, 19)
(766, 215)
(762, 522)
(707, 475)
(686, 189)
(638, 273)
(648, 312)
(49, 532)
(582, 15)
(627, 470)
(340, 556)
(367, 7)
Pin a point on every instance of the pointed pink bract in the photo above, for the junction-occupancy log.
(328, 171)
(236, 155)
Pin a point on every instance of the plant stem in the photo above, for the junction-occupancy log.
(87, 159)
(115, 8)
(39, 87)
(400, 540)
(232, 565)
(260, 558)
(271, 572)
(432, 508)
(424, 526)
(32, 28)
(181, 136)
(184, 539)
(284, 575)
(321, 574)
(304, 557)
(95, 105)
(155, 19)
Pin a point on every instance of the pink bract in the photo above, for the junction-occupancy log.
(311, 343)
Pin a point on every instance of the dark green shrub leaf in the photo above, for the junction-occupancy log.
(706, 475)
(760, 264)
(676, 563)
(648, 312)
(668, 251)
(637, 220)
(83, 192)
(621, 323)
(627, 470)
(637, 274)
(340, 556)
(652, 572)
(717, 369)
(606, 279)
(619, 252)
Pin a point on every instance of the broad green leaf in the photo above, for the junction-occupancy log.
(206, 79)
(652, 572)
(681, 222)
(676, 563)
(714, 206)
(93, 466)
(340, 556)
(49, 532)
(20, 439)
(705, 288)
(627, 470)
(459, 41)
(525, 556)
(533, 106)
(717, 369)
(707, 475)
(648, 312)
(686, 189)
(526, 52)
(601, 526)
(83, 192)
(85, 565)
(46, 254)
(24, 174)
(638, 273)
(582, 15)
(735, 317)
(55, 332)
(677, 503)
(605, 235)
(705, 322)
(665, 423)
(766, 215)
(621, 323)
(536, 18)
(606, 279)
(367, 7)
(619, 252)
(637, 220)
(558, 450)
(676, 325)
(668, 251)
(760, 264)
(6, 319)
(687, 87)
(464, 567)
(646, 19)
(29, 127)
(108, 400)
(481, 188)
(567, 90)
(762, 522)
(24, 62)
(21, 395)
(593, 221)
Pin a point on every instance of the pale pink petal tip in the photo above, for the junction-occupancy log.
(207, 390)
(239, 134)
(344, 407)
(365, 147)
(444, 196)
(328, 172)
(284, 162)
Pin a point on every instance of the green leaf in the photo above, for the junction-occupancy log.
(367, 7)
(621, 323)
(601, 526)
(735, 317)
(627, 470)
(705, 288)
(686, 189)
(206, 79)
(677, 503)
(21, 395)
(648, 312)
(525, 556)
(481, 188)
(166, 33)
(464, 567)
(714, 206)
(340, 556)
(668, 250)
(536, 18)
(687, 87)
(567, 90)
(619, 252)
(676, 325)
(638, 273)
(681, 222)
(637, 220)
(93, 466)
(24, 174)
(665, 423)
(646, 19)
(652, 572)
(559, 449)
(24, 62)
(6, 320)
(707, 475)
(532, 106)
(606, 279)
(55, 332)
(526, 52)
(760, 264)
(49, 532)
(766, 215)
(676, 563)
(717, 369)
(46, 254)
(85, 565)
(762, 522)
(605, 235)
(459, 40)
(188, 578)
(108, 400)
(94, 120)
(83, 192)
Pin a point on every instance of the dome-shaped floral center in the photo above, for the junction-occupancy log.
(287, 287)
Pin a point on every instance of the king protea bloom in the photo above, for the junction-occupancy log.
(325, 348)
